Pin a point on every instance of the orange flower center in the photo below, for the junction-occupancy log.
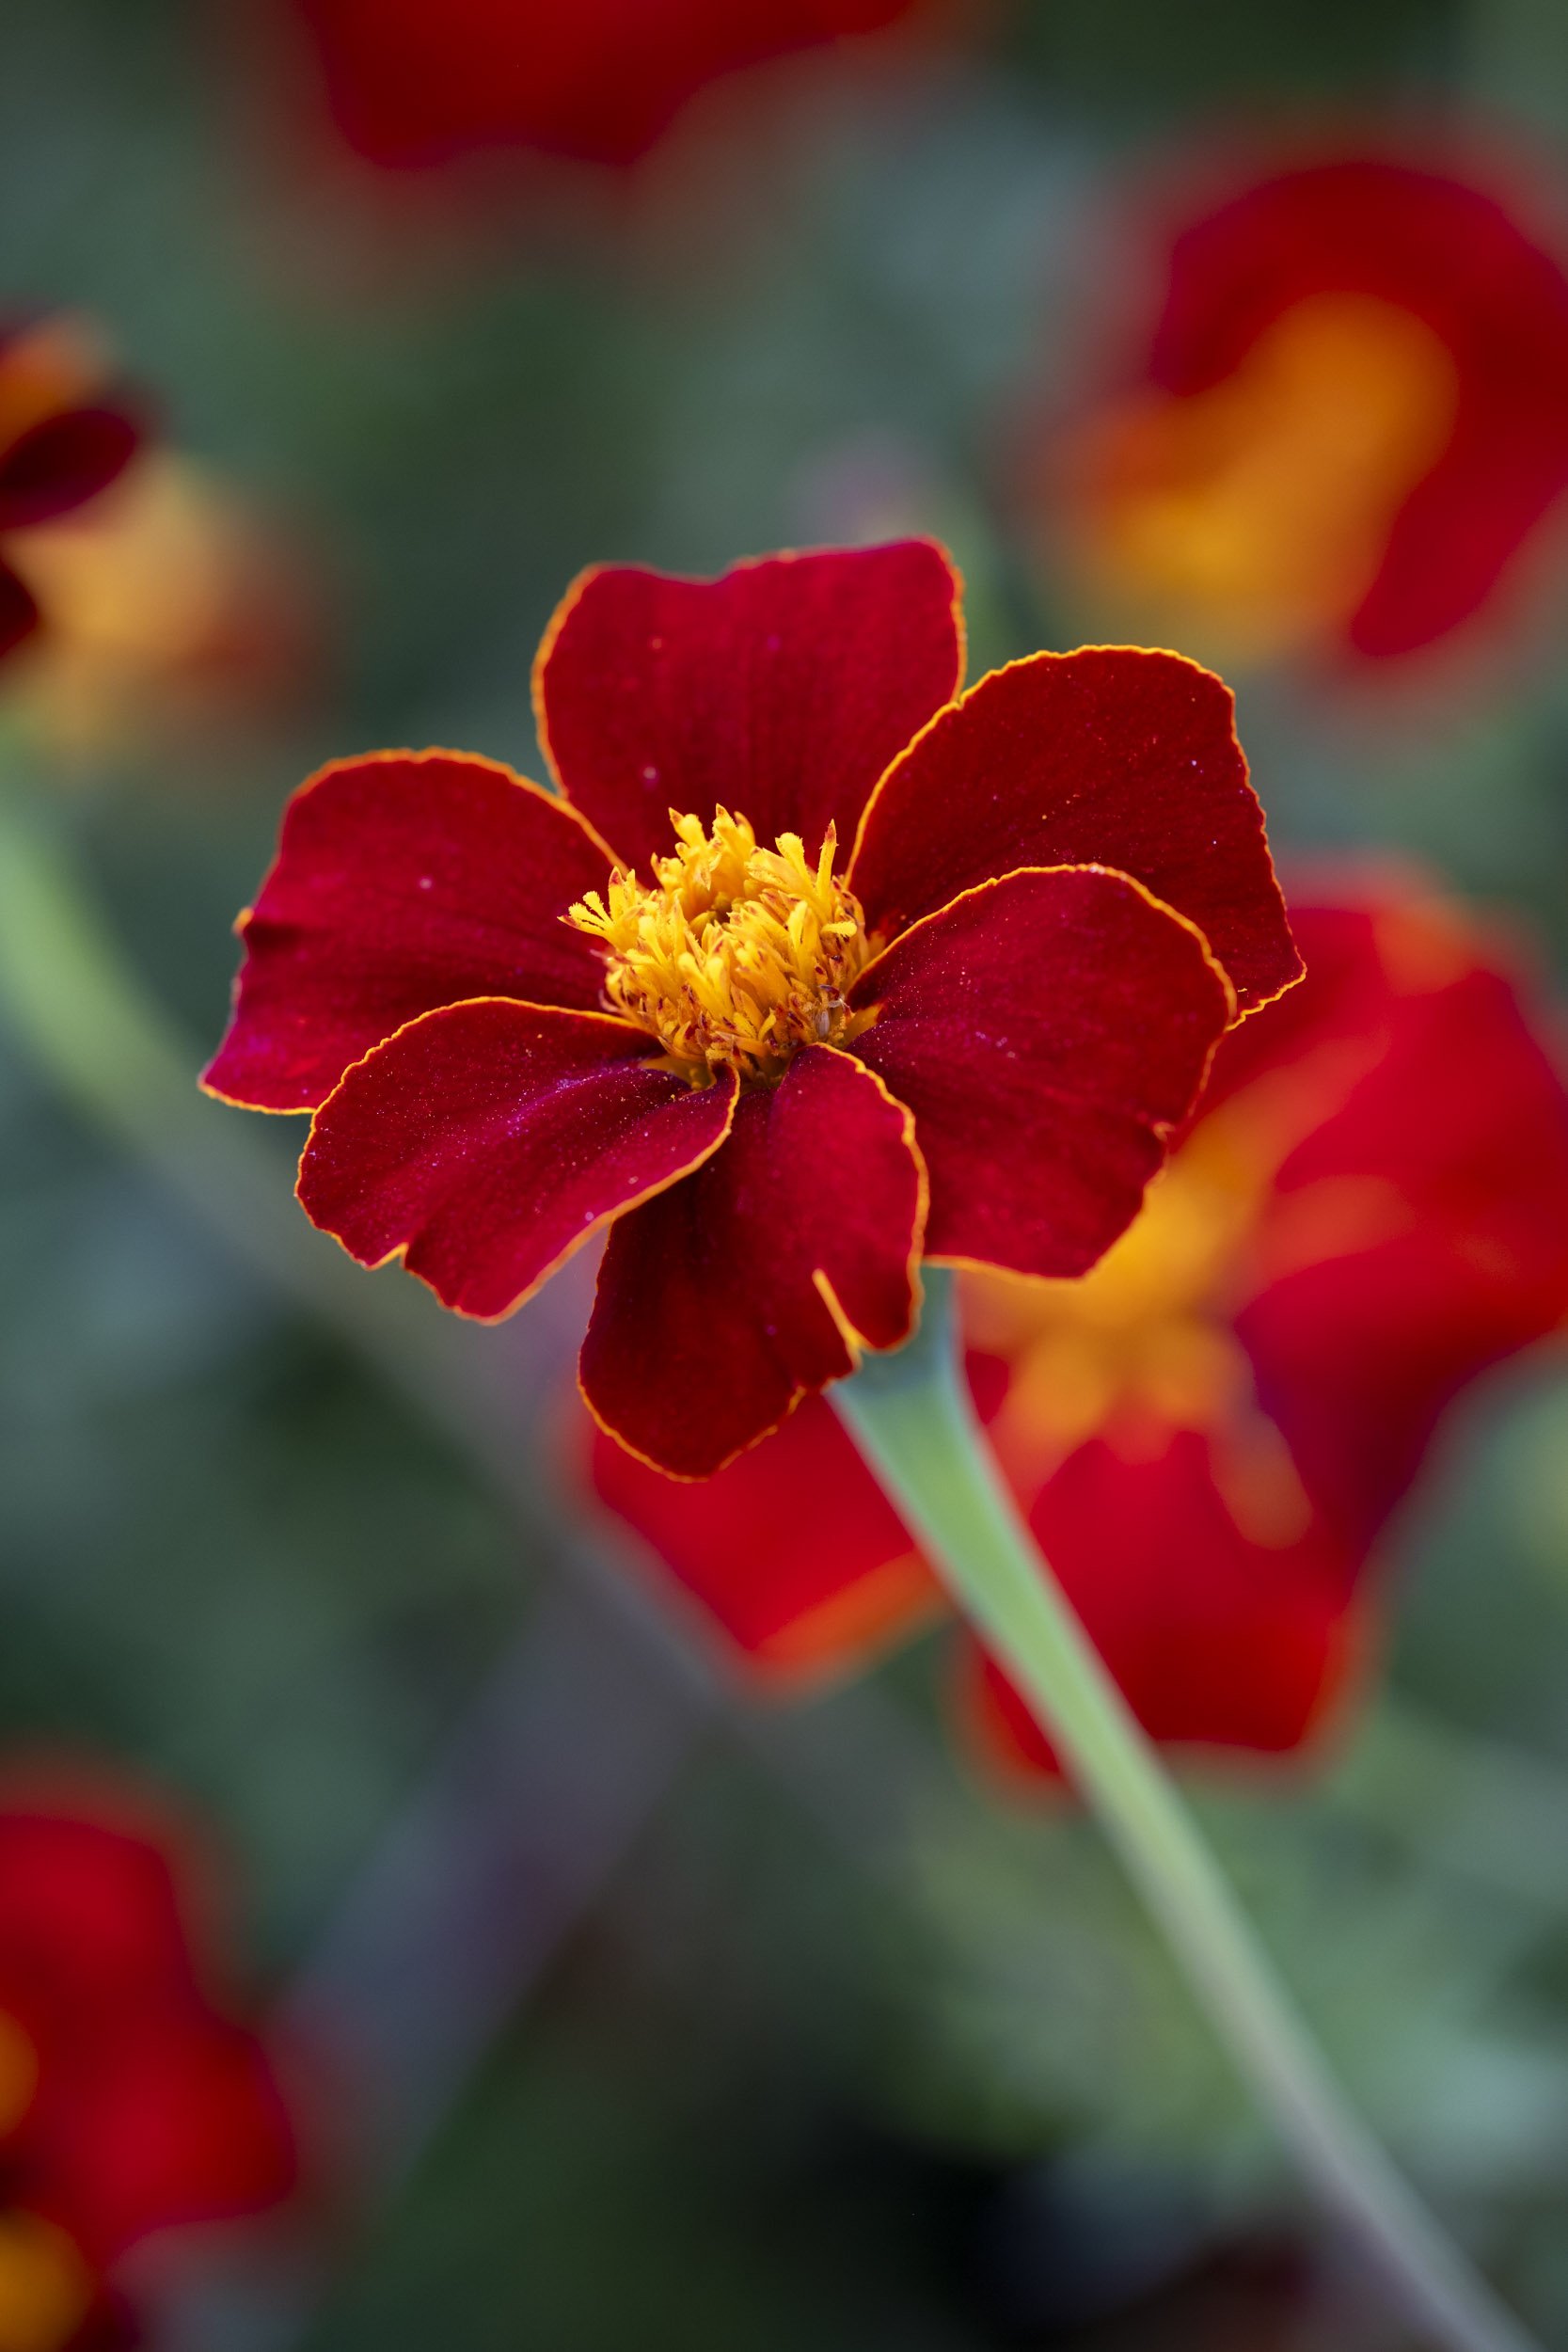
(1259, 510)
(19, 2074)
(732, 955)
(46, 2289)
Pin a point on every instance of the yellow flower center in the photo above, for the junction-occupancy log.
(45, 2287)
(732, 955)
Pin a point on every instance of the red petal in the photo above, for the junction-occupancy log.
(487, 1142)
(89, 1915)
(792, 1550)
(713, 1312)
(18, 614)
(62, 463)
(1046, 1030)
(172, 2118)
(1106, 756)
(151, 2107)
(1217, 1640)
(1416, 1234)
(403, 881)
(781, 689)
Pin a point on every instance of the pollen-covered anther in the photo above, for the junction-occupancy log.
(733, 956)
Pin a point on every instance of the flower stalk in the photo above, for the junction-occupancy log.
(911, 1415)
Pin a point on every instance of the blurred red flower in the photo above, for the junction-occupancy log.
(1208, 1431)
(65, 435)
(418, 82)
(1351, 418)
(130, 2103)
(779, 1087)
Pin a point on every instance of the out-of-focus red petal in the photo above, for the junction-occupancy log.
(780, 690)
(1106, 756)
(173, 2118)
(89, 1914)
(418, 83)
(1415, 1236)
(487, 1142)
(792, 1550)
(1217, 1639)
(150, 2107)
(1344, 999)
(403, 881)
(1046, 1030)
(18, 614)
(724, 1301)
(62, 463)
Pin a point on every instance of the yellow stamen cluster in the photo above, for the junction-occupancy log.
(732, 955)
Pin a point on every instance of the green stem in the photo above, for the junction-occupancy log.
(911, 1415)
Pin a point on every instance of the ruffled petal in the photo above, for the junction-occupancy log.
(403, 881)
(792, 1551)
(1106, 756)
(724, 1301)
(485, 1142)
(781, 689)
(1047, 1030)
(1220, 1636)
(62, 463)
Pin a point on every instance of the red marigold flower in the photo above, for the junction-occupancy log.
(1352, 417)
(417, 81)
(1209, 1430)
(129, 2102)
(779, 1085)
(61, 443)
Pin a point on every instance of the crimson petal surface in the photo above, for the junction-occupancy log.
(403, 881)
(1046, 1030)
(1106, 756)
(487, 1142)
(781, 689)
(711, 1318)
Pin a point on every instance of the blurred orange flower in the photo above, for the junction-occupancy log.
(1348, 424)
(1208, 1431)
(171, 607)
(130, 2103)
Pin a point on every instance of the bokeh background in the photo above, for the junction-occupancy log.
(615, 2004)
